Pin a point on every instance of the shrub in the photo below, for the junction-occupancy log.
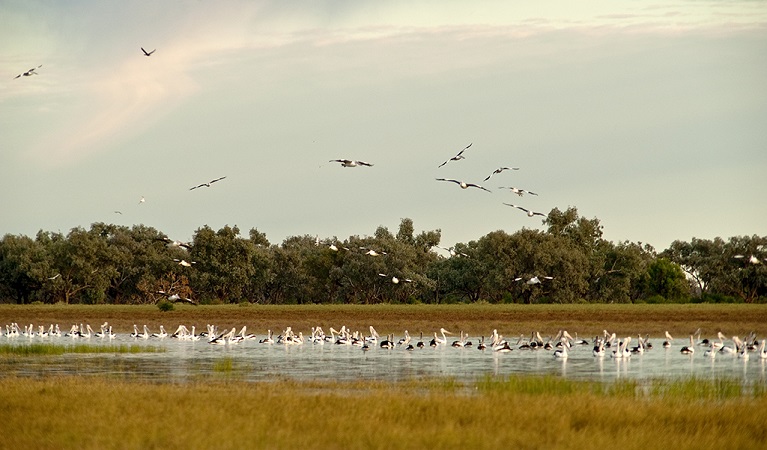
(165, 305)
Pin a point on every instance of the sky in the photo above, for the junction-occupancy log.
(650, 116)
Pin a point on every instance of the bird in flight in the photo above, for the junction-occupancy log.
(143, 200)
(206, 184)
(118, 212)
(29, 72)
(499, 170)
(457, 157)
(751, 259)
(534, 280)
(54, 277)
(173, 243)
(518, 191)
(463, 184)
(184, 262)
(146, 53)
(350, 163)
(529, 212)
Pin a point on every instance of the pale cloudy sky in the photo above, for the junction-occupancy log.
(648, 115)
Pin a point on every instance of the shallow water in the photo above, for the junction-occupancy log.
(183, 361)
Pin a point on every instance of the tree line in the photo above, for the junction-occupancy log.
(568, 262)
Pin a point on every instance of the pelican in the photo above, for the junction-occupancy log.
(711, 352)
(420, 343)
(452, 251)
(351, 163)
(599, 349)
(463, 184)
(206, 184)
(689, 350)
(518, 191)
(388, 343)
(146, 53)
(535, 280)
(372, 252)
(499, 170)
(561, 353)
(29, 72)
(667, 342)
(457, 157)
(162, 334)
(481, 345)
(751, 258)
(442, 341)
(530, 213)
(762, 350)
(505, 348)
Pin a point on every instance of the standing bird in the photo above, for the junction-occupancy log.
(29, 72)
(463, 184)
(457, 157)
(146, 53)
(351, 163)
(499, 170)
(206, 184)
(529, 212)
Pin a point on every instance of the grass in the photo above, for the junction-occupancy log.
(518, 412)
(477, 319)
(59, 349)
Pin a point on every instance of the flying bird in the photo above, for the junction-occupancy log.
(54, 277)
(463, 184)
(518, 191)
(499, 170)
(751, 259)
(143, 200)
(118, 212)
(185, 263)
(29, 72)
(146, 53)
(173, 243)
(457, 157)
(351, 163)
(534, 280)
(372, 252)
(529, 212)
(206, 184)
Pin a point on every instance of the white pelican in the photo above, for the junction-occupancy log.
(519, 192)
(420, 343)
(711, 352)
(388, 343)
(351, 163)
(463, 184)
(599, 349)
(206, 184)
(561, 353)
(535, 280)
(481, 345)
(530, 213)
(457, 157)
(499, 170)
(689, 350)
(162, 334)
(762, 350)
(146, 53)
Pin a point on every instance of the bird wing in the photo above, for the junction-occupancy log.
(539, 214)
(437, 166)
(217, 179)
(198, 186)
(478, 186)
(363, 163)
(531, 193)
(452, 181)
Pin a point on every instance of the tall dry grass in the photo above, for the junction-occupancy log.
(521, 412)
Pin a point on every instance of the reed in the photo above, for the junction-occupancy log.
(518, 412)
(35, 349)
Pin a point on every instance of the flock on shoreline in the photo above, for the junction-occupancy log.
(606, 344)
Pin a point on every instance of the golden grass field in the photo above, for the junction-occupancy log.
(538, 412)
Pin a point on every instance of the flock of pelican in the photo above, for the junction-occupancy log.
(561, 345)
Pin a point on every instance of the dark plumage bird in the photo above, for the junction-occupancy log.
(457, 157)
(463, 184)
(146, 53)
(206, 184)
